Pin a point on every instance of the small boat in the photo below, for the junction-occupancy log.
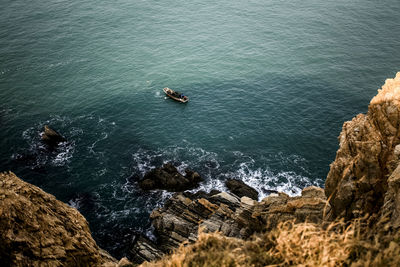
(176, 95)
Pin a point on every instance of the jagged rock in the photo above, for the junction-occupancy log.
(241, 189)
(178, 220)
(144, 249)
(167, 177)
(357, 180)
(51, 137)
(280, 207)
(39, 230)
(391, 207)
(185, 213)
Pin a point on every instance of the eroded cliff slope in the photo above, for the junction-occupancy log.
(367, 155)
(36, 229)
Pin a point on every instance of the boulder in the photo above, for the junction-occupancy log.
(167, 177)
(51, 137)
(241, 189)
(39, 230)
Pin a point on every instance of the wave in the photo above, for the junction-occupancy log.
(250, 169)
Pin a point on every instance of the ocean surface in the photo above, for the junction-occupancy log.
(270, 85)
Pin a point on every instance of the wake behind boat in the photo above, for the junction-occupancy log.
(175, 95)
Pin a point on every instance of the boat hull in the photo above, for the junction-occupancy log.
(169, 93)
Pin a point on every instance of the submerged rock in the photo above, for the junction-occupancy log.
(39, 230)
(51, 137)
(241, 189)
(167, 177)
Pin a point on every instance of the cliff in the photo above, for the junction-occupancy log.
(368, 153)
(38, 230)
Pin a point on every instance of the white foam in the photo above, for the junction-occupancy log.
(74, 204)
(103, 136)
(67, 151)
(264, 179)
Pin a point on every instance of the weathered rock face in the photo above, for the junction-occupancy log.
(184, 213)
(358, 178)
(144, 250)
(391, 207)
(310, 206)
(241, 189)
(51, 137)
(167, 177)
(38, 230)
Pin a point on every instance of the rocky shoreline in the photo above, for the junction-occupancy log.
(362, 187)
(184, 214)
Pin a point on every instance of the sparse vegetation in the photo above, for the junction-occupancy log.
(290, 244)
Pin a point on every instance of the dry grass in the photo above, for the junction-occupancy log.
(307, 244)
(302, 244)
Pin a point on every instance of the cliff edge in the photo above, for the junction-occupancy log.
(368, 153)
(36, 229)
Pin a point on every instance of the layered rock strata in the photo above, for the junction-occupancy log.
(185, 213)
(38, 230)
(368, 153)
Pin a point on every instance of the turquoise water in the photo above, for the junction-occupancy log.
(270, 84)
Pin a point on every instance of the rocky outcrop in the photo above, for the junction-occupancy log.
(144, 249)
(310, 206)
(185, 213)
(241, 189)
(51, 137)
(368, 154)
(167, 177)
(38, 230)
(391, 207)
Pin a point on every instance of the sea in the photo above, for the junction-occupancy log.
(270, 84)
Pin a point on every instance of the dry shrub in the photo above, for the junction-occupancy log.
(304, 244)
(307, 244)
(301, 244)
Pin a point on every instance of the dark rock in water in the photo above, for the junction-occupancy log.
(269, 191)
(51, 137)
(241, 189)
(167, 177)
(201, 194)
